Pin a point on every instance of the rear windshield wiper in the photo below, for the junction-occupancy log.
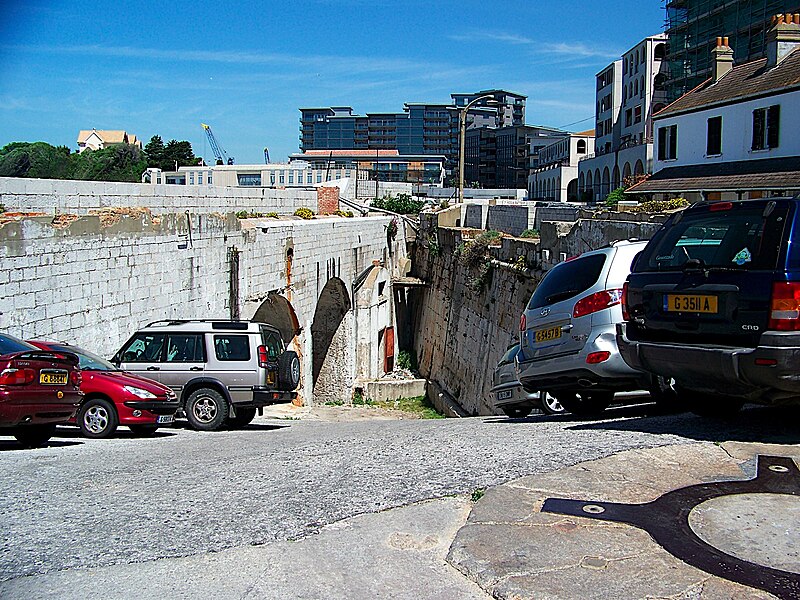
(563, 295)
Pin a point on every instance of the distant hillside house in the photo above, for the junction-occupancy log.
(95, 139)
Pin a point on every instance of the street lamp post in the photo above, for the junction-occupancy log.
(492, 101)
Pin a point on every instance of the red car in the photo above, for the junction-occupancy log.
(38, 390)
(113, 397)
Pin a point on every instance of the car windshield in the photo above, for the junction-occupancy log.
(743, 237)
(88, 361)
(10, 344)
(567, 280)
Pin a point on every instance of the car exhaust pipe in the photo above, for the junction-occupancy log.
(586, 383)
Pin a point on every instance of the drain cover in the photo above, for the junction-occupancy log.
(682, 522)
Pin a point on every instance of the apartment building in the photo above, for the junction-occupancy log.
(693, 25)
(555, 176)
(629, 91)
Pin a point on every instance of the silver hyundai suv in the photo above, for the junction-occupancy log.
(568, 341)
(222, 371)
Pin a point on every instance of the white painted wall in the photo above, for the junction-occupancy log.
(737, 132)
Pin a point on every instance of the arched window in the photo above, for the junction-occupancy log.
(639, 169)
(660, 51)
(581, 146)
(581, 182)
(636, 88)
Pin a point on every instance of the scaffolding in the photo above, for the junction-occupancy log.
(694, 25)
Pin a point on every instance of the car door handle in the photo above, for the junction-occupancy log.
(195, 368)
(153, 368)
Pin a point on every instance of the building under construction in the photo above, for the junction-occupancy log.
(694, 25)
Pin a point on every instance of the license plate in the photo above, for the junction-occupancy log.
(505, 395)
(164, 419)
(691, 303)
(545, 335)
(53, 377)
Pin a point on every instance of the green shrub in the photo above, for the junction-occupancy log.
(407, 359)
(304, 213)
(475, 250)
(529, 233)
(272, 215)
(343, 213)
(402, 204)
(433, 245)
(482, 279)
(655, 206)
(614, 197)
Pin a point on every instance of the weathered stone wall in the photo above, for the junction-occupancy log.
(511, 219)
(53, 196)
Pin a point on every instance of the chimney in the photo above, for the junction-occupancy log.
(722, 58)
(783, 38)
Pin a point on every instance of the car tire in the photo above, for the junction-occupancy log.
(97, 419)
(550, 404)
(713, 406)
(244, 417)
(585, 404)
(143, 430)
(517, 412)
(288, 371)
(206, 410)
(664, 393)
(34, 436)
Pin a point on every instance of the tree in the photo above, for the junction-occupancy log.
(180, 153)
(120, 162)
(154, 152)
(37, 159)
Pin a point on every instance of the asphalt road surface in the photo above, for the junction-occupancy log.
(92, 503)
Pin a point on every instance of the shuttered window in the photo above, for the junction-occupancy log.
(766, 127)
(714, 137)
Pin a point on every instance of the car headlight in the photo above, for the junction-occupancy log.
(139, 392)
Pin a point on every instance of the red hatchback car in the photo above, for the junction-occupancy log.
(113, 397)
(38, 390)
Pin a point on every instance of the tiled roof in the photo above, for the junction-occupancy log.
(109, 136)
(742, 82)
(764, 174)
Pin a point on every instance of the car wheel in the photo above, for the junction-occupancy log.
(243, 417)
(713, 405)
(550, 404)
(585, 404)
(288, 371)
(664, 393)
(517, 412)
(97, 418)
(206, 410)
(34, 436)
(143, 430)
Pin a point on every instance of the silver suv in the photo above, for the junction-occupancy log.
(222, 371)
(568, 341)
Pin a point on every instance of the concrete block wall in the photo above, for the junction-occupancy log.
(510, 218)
(52, 196)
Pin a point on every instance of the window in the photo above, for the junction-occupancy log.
(628, 117)
(143, 347)
(291, 177)
(249, 179)
(273, 344)
(668, 142)
(232, 347)
(210, 180)
(766, 127)
(319, 177)
(714, 137)
(191, 178)
(309, 178)
(637, 114)
(567, 280)
(185, 348)
(199, 179)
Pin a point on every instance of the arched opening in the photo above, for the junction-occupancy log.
(277, 311)
(660, 51)
(636, 88)
(639, 168)
(626, 172)
(572, 190)
(589, 187)
(605, 191)
(558, 190)
(581, 146)
(598, 185)
(616, 180)
(330, 343)
(581, 182)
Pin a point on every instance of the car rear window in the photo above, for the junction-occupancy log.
(567, 280)
(744, 237)
(9, 345)
(232, 347)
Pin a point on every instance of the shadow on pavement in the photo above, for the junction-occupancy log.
(123, 433)
(9, 445)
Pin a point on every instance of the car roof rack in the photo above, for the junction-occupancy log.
(215, 323)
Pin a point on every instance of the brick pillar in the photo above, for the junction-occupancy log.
(327, 200)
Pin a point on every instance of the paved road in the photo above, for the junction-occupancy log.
(86, 503)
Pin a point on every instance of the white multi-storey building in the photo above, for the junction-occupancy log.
(629, 92)
(732, 137)
(555, 177)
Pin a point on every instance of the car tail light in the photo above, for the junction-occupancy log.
(523, 323)
(262, 356)
(75, 377)
(17, 376)
(785, 306)
(624, 302)
(717, 206)
(597, 301)
(598, 357)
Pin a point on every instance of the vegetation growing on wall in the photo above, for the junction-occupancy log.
(304, 213)
(655, 206)
(403, 204)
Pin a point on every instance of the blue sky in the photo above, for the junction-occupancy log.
(246, 68)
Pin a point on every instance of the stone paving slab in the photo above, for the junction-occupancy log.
(513, 550)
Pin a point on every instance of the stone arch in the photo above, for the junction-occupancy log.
(605, 191)
(276, 310)
(615, 178)
(572, 190)
(330, 343)
(639, 168)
